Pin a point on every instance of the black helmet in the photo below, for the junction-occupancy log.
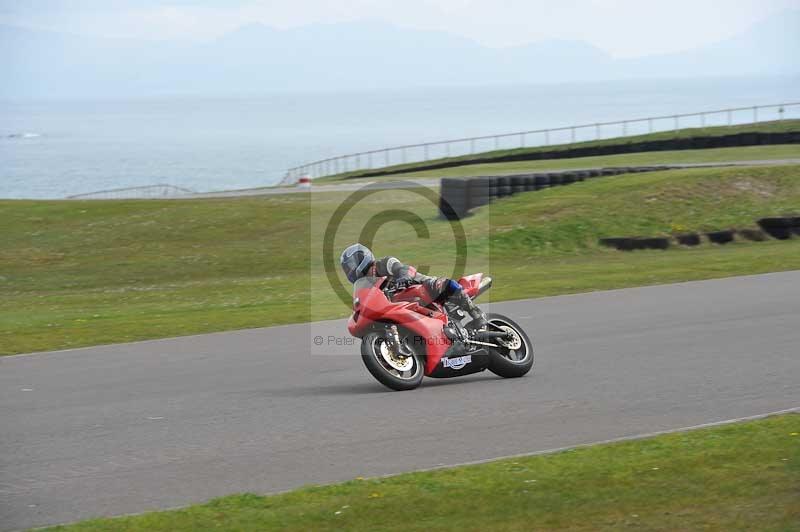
(355, 260)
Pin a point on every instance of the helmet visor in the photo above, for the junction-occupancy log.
(350, 265)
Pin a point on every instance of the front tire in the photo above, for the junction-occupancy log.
(396, 373)
(515, 357)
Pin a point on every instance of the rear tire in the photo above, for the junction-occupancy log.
(373, 346)
(510, 363)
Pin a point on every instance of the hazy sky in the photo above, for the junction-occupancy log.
(621, 27)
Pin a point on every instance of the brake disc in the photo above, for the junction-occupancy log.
(513, 342)
(398, 362)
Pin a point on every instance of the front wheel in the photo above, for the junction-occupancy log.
(514, 357)
(391, 369)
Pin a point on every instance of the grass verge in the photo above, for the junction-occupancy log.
(743, 476)
(79, 273)
(764, 127)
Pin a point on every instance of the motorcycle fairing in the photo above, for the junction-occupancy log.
(413, 309)
(478, 361)
(373, 307)
(475, 284)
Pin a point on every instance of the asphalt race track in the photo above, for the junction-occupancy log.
(135, 427)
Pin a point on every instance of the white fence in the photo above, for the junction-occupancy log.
(426, 151)
(144, 192)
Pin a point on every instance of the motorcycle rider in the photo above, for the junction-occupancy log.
(358, 261)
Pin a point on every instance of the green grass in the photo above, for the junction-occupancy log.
(734, 477)
(764, 127)
(78, 273)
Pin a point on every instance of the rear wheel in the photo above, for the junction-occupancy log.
(514, 357)
(392, 369)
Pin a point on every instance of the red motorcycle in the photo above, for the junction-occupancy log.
(405, 335)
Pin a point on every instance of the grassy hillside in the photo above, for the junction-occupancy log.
(76, 273)
(734, 477)
(764, 127)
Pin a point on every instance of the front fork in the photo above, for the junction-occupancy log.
(393, 339)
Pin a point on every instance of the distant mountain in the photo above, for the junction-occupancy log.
(366, 54)
(769, 47)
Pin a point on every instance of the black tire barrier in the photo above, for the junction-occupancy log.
(460, 195)
(634, 243)
(659, 242)
(453, 198)
(479, 194)
(777, 227)
(753, 235)
(480, 191)
(686, 143)
(503, 187)
(720, 237)
(530, 183)
(795, 221)
(452, 211)
(495, 190)
(479, 201)
(614, 171)
(517, 184)
(780, 228)
(453, 183)
(612, 242)
(689, 239)
(542, 181)
(626, 244)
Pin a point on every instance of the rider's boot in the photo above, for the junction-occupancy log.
(467, 305)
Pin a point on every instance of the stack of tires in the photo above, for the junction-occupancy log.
(530, 183)
(782, 227)
(453, 199)
(458, 196)
(480, 191)
(503, 185)
(517, 184)
(541, 181)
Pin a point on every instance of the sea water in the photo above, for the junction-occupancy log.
(53, 149)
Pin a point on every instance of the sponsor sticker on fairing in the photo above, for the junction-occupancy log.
(456, 363)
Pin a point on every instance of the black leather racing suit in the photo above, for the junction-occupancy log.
(439, 288)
